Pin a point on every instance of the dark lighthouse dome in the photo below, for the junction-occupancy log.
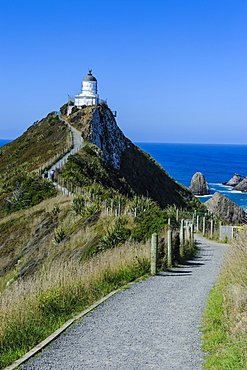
(89, 77)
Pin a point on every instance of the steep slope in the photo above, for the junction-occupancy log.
(20, 158)
(107, 169)
(47, 237)
(139, 170)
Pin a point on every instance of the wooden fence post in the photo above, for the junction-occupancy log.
(169, 248)
(181, 237)
(154, 252)
(204, 226)
(192, 234)
(211, 227)
(188, 230)
(197, 223)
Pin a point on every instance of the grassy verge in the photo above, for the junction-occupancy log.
(32, 309)
(225, 318)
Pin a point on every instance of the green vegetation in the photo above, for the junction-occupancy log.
(87, 168)
(41, 142)
(149, 222)
(58, 255)
(32, 308)
(73, 258)
(225, 318)
(27, 191)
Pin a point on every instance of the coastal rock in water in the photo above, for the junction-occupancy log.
(226, 209)
(235, 180)
(242, 186)
(199, 185)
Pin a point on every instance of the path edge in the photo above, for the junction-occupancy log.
(62, 328)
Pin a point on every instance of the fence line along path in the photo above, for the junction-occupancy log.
(78, 143)
(153, 325)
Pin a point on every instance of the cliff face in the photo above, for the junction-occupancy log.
(98, 125)
(141, 172)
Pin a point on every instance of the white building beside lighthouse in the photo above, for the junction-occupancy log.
(88, 95)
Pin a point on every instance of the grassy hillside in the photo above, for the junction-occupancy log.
(18, 159)
(138, 172)
(62, 254)
(49, 241)
(225, 319)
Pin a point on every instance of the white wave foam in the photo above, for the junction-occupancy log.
(234, 192)
(204, 196)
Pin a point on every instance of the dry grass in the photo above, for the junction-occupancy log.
(17, 229)
(235, 294)
(46, 205)
(62, 275)
(31, 309)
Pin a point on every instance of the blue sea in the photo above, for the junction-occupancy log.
(3, 142)
(218, 163)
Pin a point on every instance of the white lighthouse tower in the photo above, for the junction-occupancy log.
(88, 94)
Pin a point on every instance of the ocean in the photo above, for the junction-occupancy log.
(3, 142)
(217, 163)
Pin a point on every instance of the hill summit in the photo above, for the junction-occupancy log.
(140, 171)
(110, 176)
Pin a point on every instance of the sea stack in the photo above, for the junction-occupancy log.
(234, 181)
(226, 209)
(199, 185)
(242, 185)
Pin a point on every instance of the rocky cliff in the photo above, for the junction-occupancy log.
(139, 170)
(98, 125)
(226, 209)
(199, 185)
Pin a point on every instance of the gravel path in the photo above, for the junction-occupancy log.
(78, 144)
(153, 325)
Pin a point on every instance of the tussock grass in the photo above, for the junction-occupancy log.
(225, 319)
(31, 309)
(46, 205)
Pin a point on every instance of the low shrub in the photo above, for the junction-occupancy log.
(27, 191)
(115, 234)
(149, 222)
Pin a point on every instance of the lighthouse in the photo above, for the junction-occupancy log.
(89, 91)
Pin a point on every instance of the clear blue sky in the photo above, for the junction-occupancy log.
(175, 70)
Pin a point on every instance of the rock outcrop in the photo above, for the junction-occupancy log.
(242, 186)
(100, 128)
(139, 170)
(199, 185)
(226, 209)
(234, 181)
